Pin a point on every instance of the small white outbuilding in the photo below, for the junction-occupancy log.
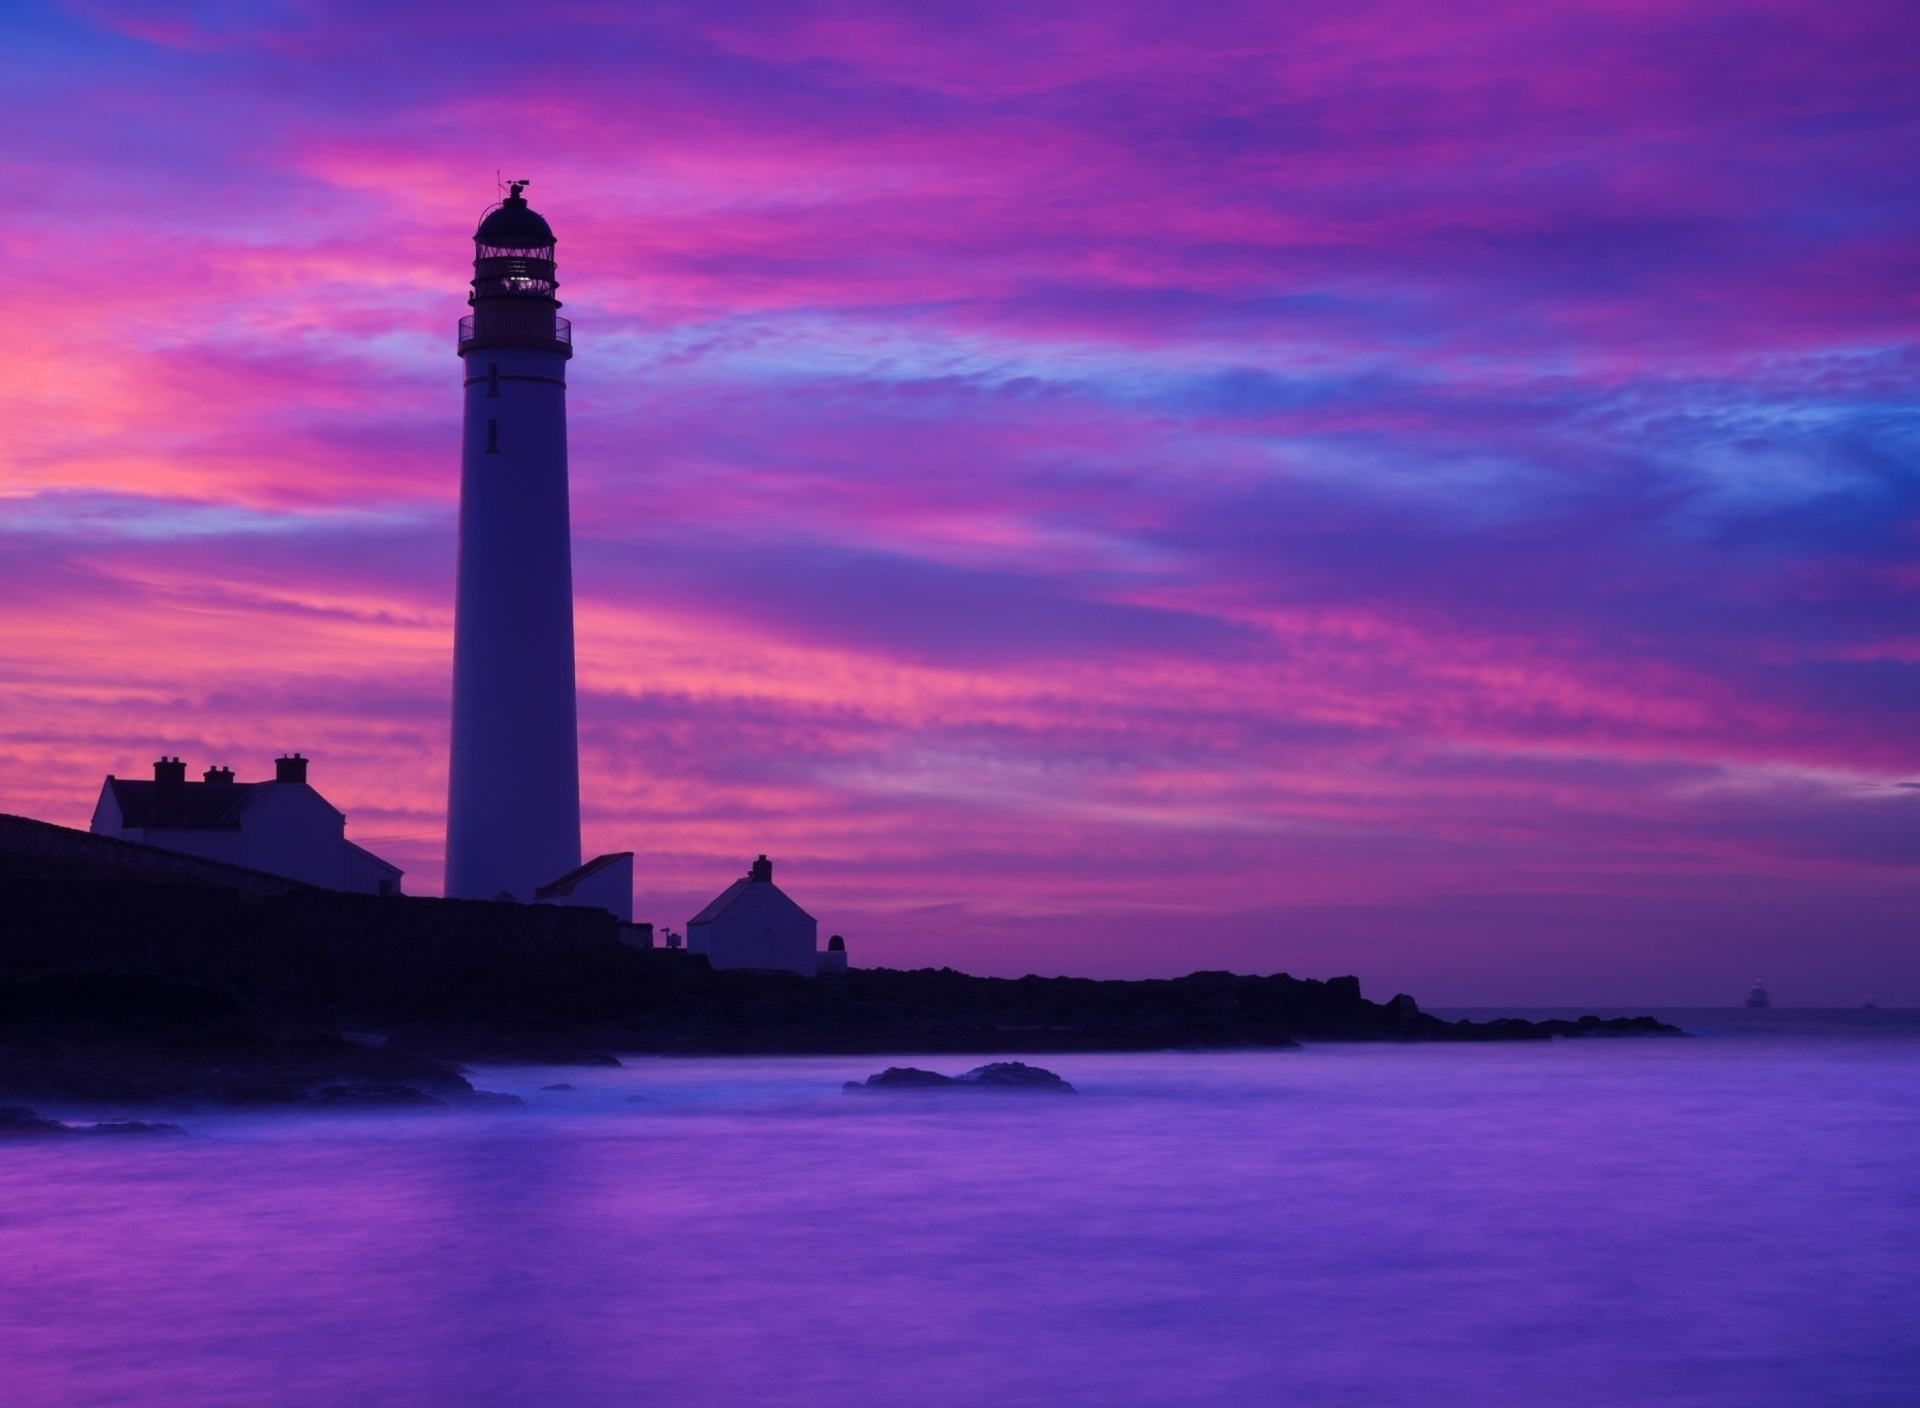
(753, 924)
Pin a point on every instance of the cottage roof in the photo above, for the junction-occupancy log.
(197, 805)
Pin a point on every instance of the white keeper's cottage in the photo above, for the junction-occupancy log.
(283, 827)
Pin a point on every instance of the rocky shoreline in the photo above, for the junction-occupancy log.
(143, 1040)
(135, 978)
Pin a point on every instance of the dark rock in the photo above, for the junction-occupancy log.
(1592, 1026)
(902, 1078)
(561, 1086)
(1000, 1075)
(1345, 991)
(1501, 1029)
(20, 1120)
(1016, 1075)
(142, 1039)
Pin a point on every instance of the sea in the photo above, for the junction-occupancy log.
(1730, 1219)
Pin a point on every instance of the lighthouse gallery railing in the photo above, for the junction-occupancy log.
(518, 327)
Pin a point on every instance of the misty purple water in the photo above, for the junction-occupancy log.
(1728, 1220)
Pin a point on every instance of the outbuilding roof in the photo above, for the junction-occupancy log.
(726, 897)
(759, 873)
(580, 875)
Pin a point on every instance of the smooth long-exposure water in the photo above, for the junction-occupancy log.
(1732, 1220)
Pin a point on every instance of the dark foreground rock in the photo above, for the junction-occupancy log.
(1000, 1075)
(138, 1039)
(502, 1041)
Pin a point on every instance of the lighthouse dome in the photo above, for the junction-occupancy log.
(513, 224)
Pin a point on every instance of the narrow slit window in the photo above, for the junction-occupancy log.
(493, 381)
(493, 437)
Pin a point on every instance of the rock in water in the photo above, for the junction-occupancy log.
(1017, 1075)
(132, 1127)
(901, 1078)
(1001, 1075)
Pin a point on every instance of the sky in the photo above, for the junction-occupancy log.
(1423, 491)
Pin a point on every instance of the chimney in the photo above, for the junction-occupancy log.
(219, 777)
(761, 870)
(169, 792)
(292, 768)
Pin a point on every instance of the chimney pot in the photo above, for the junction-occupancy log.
(170, 771)
(220, 777)
(292, 768)
(761, 870)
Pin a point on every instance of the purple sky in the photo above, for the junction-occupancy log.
(1417, 490)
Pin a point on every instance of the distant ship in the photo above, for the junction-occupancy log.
(1759, 997)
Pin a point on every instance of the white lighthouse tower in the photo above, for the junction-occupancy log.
(513, 804)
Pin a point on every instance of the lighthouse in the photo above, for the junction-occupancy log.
(513, 796)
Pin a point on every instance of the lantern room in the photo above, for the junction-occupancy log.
(513, 281)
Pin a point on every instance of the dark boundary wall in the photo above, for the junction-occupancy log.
(41, 850)
(73, 902)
